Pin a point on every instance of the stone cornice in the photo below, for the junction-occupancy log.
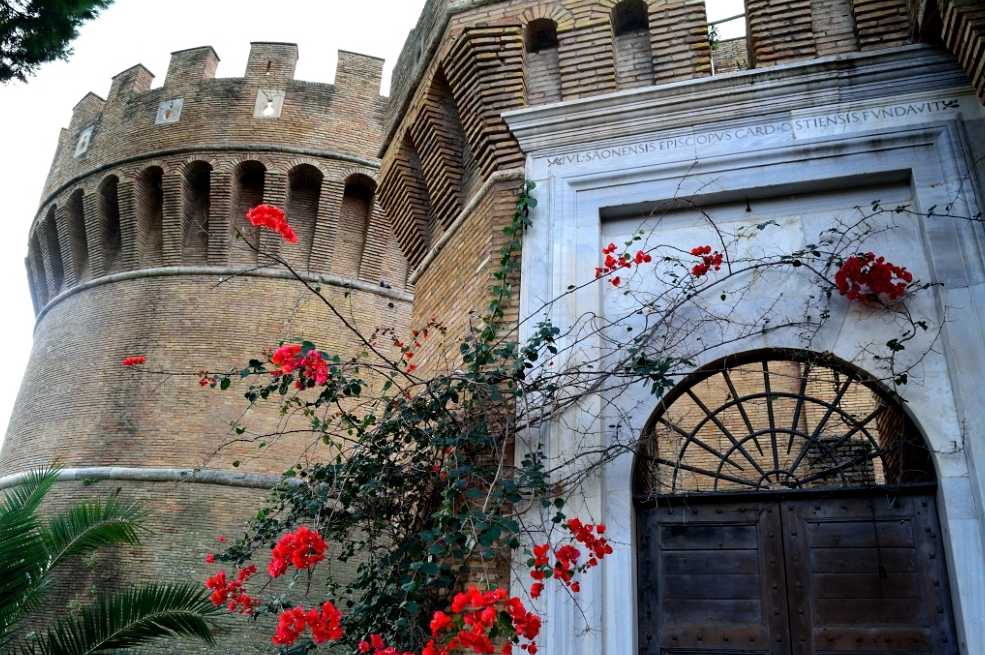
(142, 474)
(228, 272)
(734, 96)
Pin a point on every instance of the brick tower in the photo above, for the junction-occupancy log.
(133, 250)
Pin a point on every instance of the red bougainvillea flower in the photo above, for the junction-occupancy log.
(475, 617)
(568, 557)
(612, 262)
(312, 368)
(290, 625)
(866, 277)
(301, 549)
(709, 260)
(272, 218)
(324, 624)
(231, 593)
(134, 360)
(376, 646)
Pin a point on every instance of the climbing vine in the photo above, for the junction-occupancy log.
(431, 486)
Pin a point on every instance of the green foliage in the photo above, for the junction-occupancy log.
(33, 32)
(31, 549)
(128, 619)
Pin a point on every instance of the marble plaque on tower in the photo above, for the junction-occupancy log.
(82, 145)
(169, 111)
(269, 103)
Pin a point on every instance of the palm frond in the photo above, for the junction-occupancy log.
(91, 525)
(128, 619)
(22, 558)
(26, 497)
(23, 554)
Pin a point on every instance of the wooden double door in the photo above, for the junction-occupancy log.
(846, 575)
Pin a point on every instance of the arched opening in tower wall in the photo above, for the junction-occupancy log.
(631, 44)
(36, 261)
(786, 497)
(541, 64)
(304, 191)
(196, 198)
(248, 183)
(77, 235)
(109, 223)
(357, 204)
(150, 215)
(53, 256)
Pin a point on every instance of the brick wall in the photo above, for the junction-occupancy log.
(963, 33)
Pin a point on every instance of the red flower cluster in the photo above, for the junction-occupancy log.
(230, 593)
(867, 277)
(612, 263)
(312, 368)
(379, 647)
(325, 625)
(566, 557)
(274, 219)
(134, 360)
(473, 616)
(302, 549)
(709, 260)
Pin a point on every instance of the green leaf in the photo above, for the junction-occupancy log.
(130, 619)
(91, 525)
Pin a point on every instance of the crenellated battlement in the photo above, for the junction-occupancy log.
(193, 109)
(162, 177)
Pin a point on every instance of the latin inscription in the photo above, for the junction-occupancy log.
(719, 137)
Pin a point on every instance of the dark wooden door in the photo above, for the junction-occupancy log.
(711, 580)
(828, 576)
(867, 575)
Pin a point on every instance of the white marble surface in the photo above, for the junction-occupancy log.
(810, 137)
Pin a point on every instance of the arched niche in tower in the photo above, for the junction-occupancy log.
(304, 189)
(354, 214)
(727, 34)
(150, 214)
(49, 232)
(79, 242)
(40, 278)
(195, 201)
(631, 44)
(541, 64)
(247, 193)
(109, 222)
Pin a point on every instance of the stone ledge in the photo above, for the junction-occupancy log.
(137, 474)
(226, 272)
(744, 94)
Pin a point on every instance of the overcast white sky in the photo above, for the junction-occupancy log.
(140, 31)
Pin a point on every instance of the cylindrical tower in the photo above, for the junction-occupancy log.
(134, 251)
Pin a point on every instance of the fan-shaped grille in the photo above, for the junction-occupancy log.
(779, 420)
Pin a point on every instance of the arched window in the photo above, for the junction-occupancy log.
(786, 503)
(77, 235)
(543, 72)
(248, 183)
(109, 219)
(195, 199)
(357, 204)
(150, 214)
(49, 231)
(631, 44)
(779, 420)
(304, 190)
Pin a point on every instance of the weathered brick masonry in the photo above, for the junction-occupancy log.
(399, 205)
